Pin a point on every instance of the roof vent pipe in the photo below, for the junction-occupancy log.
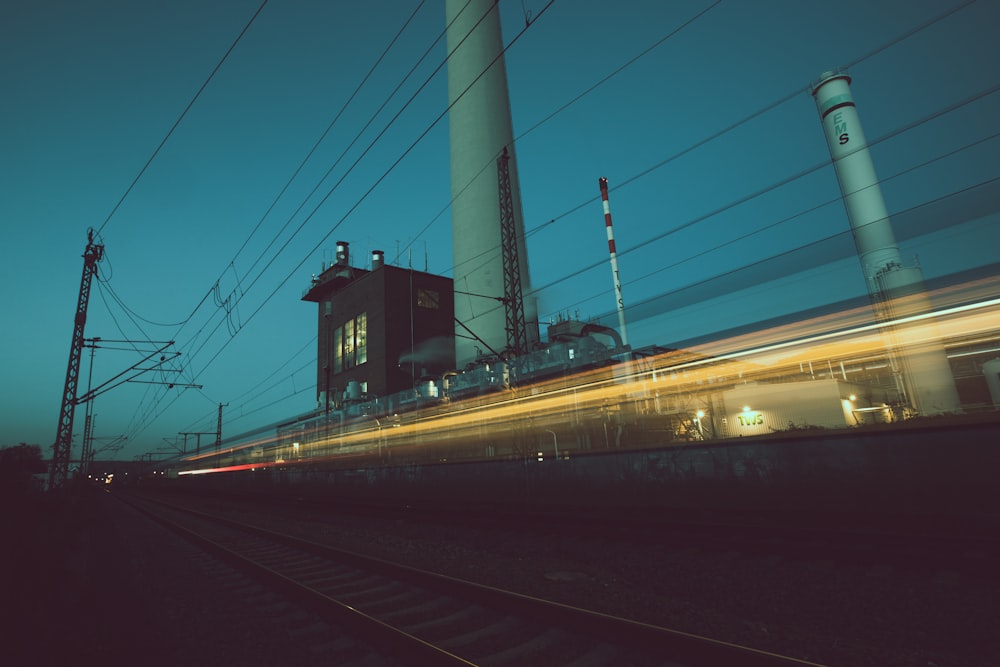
(378, 259)
(343, 254)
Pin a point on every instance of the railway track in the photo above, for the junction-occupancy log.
(418, 617)
(921, 550)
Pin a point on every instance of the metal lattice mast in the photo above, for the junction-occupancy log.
(64, 435)
(517, 330)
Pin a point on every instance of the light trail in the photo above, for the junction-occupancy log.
(635, 390)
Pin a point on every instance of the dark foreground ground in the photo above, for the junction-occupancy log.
(87, 581)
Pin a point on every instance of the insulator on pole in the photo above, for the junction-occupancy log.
(616, 277)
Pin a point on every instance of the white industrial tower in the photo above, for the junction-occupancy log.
(480, 129)
(921, 366)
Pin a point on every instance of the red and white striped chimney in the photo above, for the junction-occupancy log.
(616, 277)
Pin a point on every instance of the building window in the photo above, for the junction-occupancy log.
(428, 298)
(361, 338)
(338, 352)
(350, 344)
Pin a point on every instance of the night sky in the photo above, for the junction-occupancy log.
(698, 113)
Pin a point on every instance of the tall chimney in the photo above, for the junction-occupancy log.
(613, 253)
(896, 291)
(480, 128)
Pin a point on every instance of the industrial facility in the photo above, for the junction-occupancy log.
(392, 339)
(742, 412)
(379, 329)
(376, 341)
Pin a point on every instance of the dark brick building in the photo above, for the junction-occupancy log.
(381, 329)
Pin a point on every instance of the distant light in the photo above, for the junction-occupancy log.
(746, 408)
(701, 413)
(852, 397)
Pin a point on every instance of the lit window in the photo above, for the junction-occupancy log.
(338, 353)
(350, 344)
(361, 330)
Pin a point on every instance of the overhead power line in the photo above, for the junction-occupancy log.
(374, 185)
(243, 294)
(181, 117)
(785, 181)
(708, 139)
(366, 194)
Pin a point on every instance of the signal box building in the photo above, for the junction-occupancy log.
(380, 330)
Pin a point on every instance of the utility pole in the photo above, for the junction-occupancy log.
(218, 432)
(92, 254)
(88, 422)
(198, 434)
(87, 456)
(186, 434)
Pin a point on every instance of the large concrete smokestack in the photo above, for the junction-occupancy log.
(896, 291)
(480, 128)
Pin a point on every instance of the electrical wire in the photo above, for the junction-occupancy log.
(322, 137)
(910, 33)
(706, 140)
(645, 52)
(372, 188)
(780, 258)
(181, 117)
(214, 291)
(774, 186)
(195, 375)
(795, 216)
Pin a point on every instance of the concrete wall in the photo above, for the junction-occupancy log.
(941, 472)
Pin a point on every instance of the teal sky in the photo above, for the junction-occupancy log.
(90, 90)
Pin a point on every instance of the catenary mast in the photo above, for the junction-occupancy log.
(64, 434)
